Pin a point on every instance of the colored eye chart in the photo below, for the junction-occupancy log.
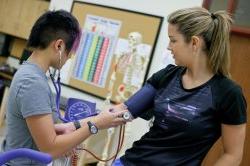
(93, 57)
(103, 28)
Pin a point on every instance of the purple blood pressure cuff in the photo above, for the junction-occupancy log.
(140, 104)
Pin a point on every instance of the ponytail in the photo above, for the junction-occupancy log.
(219, 52)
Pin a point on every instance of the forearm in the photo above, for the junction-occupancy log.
(59, 144)
(66, 142)
(233, 137)
(61, 138)
(228, 160)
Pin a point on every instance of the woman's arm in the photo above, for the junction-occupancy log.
(233, 137)
(44, 134)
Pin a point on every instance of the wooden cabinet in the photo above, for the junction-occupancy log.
(239, 9)
(240, 68)
(18, 46)
(18, 16)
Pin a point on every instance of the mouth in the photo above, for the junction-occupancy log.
(172, 55)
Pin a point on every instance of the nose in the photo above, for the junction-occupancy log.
(169, 48)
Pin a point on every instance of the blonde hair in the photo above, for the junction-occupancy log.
(215, 30)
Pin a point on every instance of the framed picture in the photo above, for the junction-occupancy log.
(115, 51)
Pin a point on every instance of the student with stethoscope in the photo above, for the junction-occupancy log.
(29, 117)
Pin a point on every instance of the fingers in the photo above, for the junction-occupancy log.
(125, 114)
(111, 118)
(117, 123)
(118, 108)
(117, 112)
(118, 120)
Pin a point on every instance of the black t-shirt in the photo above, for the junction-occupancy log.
(187, 121)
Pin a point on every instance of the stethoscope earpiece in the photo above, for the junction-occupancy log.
(60, 55)
(60, 60)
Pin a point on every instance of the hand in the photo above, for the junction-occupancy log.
(119, 107)
(127, 115)
(109, 118)
(64, 128)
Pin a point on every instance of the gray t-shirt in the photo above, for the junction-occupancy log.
(29, 95)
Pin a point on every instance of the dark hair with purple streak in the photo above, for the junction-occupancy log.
(54, 25)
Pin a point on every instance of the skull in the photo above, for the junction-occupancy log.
(134, 38)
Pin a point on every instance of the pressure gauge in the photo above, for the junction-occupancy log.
(79, 109)
(127, 116)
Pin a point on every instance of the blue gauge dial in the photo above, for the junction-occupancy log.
(79, 109)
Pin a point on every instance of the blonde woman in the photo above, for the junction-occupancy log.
(195, 102)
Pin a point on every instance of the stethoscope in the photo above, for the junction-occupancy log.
(57, 85)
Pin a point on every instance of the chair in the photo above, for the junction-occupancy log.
(44, 158)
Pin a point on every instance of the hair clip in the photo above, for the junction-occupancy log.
(213, 16)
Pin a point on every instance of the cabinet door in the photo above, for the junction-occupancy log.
(240, 70)
(214, 6)
(239, 9)
(241, 16)
(17, 17)
(240, 59)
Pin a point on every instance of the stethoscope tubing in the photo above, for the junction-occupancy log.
(57, 86)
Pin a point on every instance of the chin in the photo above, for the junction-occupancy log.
(176, 62)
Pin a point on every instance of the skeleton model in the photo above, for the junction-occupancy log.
(134, 65)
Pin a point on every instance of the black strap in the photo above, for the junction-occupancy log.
(77, 124)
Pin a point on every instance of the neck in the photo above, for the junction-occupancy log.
(40, 58)
(198, 72)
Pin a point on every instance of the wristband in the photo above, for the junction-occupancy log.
(77, 124)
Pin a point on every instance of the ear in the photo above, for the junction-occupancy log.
(59, 45)
(195, 41)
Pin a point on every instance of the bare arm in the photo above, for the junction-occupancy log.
(43, 132)
(233, 137)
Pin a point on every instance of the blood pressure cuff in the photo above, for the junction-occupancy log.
(141, 103)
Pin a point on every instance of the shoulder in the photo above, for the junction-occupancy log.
(31, 84)
(164, 74)
(167, 69)
(230, 101)
(224, 86)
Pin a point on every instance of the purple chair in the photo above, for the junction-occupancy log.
(44, 158)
